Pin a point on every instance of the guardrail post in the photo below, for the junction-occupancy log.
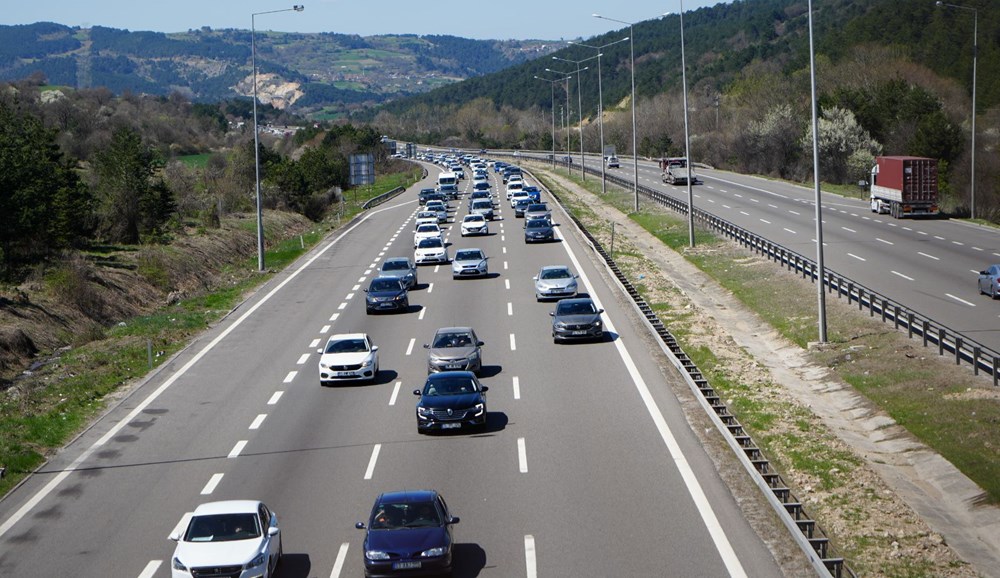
(885, 304)
(925, 328)
(909, 325)
(975, 360)
(958, 351)
(940, 341)
(895, 318)
(996, 374)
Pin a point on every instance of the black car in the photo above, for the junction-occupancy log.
(424, 195)
(538, 230)
(386, 294)
(408, 534)
(520, 206)
(577, 319)
(451, 400)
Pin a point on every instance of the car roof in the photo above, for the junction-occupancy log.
(453, 330)
(339, 336)
(227, 507)
(394, 259)
(449, 374)
(406, 496)
(553, 267)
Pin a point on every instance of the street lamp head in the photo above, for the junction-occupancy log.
(298, 7)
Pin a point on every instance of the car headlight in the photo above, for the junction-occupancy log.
(257, 561)
(423, 411)
(596, 323)
(376, 555)
(560, 325)
(572, 286)
(479, 408)
(433, 552)
(399, 297)
(178, 565)
(368, 362)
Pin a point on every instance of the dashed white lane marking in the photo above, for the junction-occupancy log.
(745, 213)
(257, 421)
(274, 398)
(907, 277)
(334, 316)
(291, 376)
(960, 300)
(856, 257)
(372, 461)
(531, 569)
(765, 221)
(939, 237)
(959, 243)
(303, 358)
(342, 306)
(314, 343)
(349, 296)
(513, 346)
(884, 241)
(355, 288)
(237, 449)
(506, 284)
(928, 256)
(795, 212)
(395, 393)
(849, 230)
(510, 309)
(409, 348)
(790, 231)
(430, 287)
(420, 316)
(522, 456)
(213, 482)
(505, 265)
(324, 330)
(338, 565)
(504, 249)
(150, 570)
(517, 388)
(361, 279)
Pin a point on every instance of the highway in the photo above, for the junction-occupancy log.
(587, 467)
(929, 265)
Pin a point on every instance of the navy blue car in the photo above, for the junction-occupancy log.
(408, 534)
(451, 400)
(386, 294)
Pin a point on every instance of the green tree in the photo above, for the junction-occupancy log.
(43, 204)
(131, 202)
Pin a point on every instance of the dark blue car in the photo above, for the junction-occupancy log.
(386, 294)
(408, 534)
(451, 400)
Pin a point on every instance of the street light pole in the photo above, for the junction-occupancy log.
(256, 144)
(820, 268)
(975, 57)
(635, 139)
(687, 135)
(600, 106)
(552, 85)
(579, 106)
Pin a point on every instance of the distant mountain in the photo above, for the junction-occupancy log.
(309, 72)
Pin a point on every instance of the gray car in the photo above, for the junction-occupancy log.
(577, 319)
(537, 211)
(538, 230)
(454, 349)
(555, 282)
(483, 207)
(989, 281)
(469, 263)
(401, 268)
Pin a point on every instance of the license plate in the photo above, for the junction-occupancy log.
(454, 366)
(345, 374)
(579, 333)
(405, 565)
(455, 425)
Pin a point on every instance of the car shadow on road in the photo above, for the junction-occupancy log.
(488, 371)
(385, 376)
(296, 566)
(468, 560)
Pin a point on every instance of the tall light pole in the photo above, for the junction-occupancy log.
(975, 56)
(600, 106)
(687, 134)
(256, 145)
(579, 106)
(820, 269)
(566, 77)
(552, 85)
(635, 139)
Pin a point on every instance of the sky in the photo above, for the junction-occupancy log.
(503, 20)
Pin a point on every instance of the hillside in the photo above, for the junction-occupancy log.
(309, 72)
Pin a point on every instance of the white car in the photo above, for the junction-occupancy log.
(430, 250)
(517, 196)
(426, 218)
(348, 357)
(426, 231)
(513, 187)
(475, 224)
(238, 534)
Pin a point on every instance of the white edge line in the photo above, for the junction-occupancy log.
(338, 566)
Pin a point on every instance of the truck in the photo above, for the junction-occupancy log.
(904, 186)
(447, 184)
(676, 171)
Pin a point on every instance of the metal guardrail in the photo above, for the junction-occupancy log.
(804, 530)
(930, 332)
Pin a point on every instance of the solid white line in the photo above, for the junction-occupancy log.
(517, 388)
(257, 421)
(372, 461)
(856, 257)
(409, 348)
(211, 485)
(510, 308)
(531, 569)
(908, 278)
(960, 300)
(291, 375)
(150, 570)
(274, 398)
(303, 358)
(338, 565)
(237, 449)
(884, 241)
(395, 393)
(928, 256)
(522, 456)
(513, 346)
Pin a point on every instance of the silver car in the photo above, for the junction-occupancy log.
(555, 282)
(989, 281)
(469, 263)
(577, 319)
(401, 268)
(454, 349)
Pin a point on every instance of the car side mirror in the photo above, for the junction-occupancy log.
(454, 520)
(576, 276)
(480, 343)
(365, 290)
(360, 525)
(484, 388)
(599, 311)
(427, 346)
(984, 273)
(552, 313)
(176, 536)
(319, 351)
(534, 278)
(416, 392)
(272, 531)
(374, 347)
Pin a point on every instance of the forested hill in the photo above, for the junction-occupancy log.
(307, 71)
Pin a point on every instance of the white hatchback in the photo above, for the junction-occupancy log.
(241, 536)
(426, 231)
(348, 357)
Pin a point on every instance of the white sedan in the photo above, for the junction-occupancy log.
(475, 224)
(426, 217)
(348, 357)
(430, 250)
(426, 231)
(238, 534)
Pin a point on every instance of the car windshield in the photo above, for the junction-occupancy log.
(452, 340)
(426, 215)
(482, 205)
(406, 515)
(474, 219)
(578, 308)
(222, 528)
(385, 285)
(555, 274)
(469, 255)
(450, 385)
(347, 346)
(433, 242)
(536, 224)
(537, 207)
(427, 228)
(395, 266)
